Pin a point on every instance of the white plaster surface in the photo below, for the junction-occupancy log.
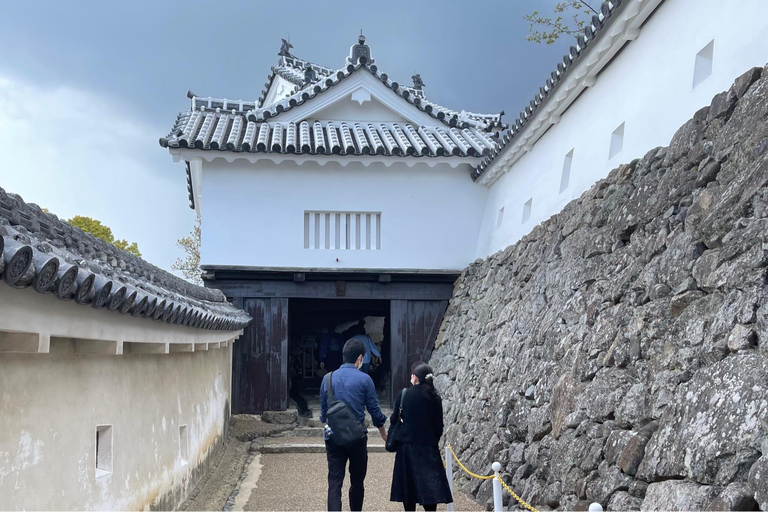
(648, 86)
(50, 405)
(429, 216)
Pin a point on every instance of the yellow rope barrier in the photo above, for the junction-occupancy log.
(490, 477)
(480, 477)
(518, 498)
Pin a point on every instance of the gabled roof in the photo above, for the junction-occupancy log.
(594, 28)
(254, 126)
(39, 250)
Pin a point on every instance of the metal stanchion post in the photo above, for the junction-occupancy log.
(498, 502)
(449, 472)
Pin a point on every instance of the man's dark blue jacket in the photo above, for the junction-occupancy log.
(357, 389)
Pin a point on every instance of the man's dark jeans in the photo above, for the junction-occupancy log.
(357, 454)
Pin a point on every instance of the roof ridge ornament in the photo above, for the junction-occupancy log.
(309, 74)
(418, 85)
(285, 49)
(360, 52)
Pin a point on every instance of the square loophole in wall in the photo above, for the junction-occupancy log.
(527, 210)
(702, 68)
(104, 450)
(183, 444)
(565, 177)
(617, 141)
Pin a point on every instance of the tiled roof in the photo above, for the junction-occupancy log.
(321, 79)
(221, 131)
(292, 69)
(583, 40)
(38, 250)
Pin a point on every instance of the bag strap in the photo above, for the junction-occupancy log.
(329, 388)
(400, 412)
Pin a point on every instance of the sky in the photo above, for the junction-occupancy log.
(88, 88)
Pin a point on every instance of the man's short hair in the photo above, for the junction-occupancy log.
(353, 349)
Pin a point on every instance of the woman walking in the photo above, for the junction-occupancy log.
(419, 476)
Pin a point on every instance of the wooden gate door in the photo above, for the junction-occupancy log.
(260, 359)
(415, 324)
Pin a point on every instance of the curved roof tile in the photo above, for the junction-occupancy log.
(388, 139)
(39, 250)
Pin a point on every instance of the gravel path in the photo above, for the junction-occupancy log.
(298, 482)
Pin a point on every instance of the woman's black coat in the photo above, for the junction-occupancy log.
(418, 475)
(422, 416)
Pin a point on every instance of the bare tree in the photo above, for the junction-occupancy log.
(568, 18)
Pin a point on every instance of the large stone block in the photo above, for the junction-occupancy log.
(678, 495)
(280, 417)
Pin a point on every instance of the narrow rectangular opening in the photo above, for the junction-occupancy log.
(132, 347)
(368, 231)
(702, 68)
(103, 450)
(500, 218)
(337, 232)
(527, 210)
(19, 342)
(565, 177)
(348, 230)
(181, 347)
(317, 230)
(306, 231)
(617, 141)
(183, 444)
(327, 230)
(358, 230)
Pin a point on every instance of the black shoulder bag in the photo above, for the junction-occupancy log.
(391, 445)
(345, 427)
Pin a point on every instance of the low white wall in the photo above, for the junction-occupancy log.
(51, 404)
(648, 87)
(66, 369)
(253, 214)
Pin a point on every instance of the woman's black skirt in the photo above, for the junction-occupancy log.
(419, 476)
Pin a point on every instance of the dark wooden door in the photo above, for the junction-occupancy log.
(260, 358)
(415, 324)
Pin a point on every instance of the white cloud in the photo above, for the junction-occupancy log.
(77, 152)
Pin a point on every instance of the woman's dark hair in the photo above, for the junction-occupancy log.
(424, 373)
(353, 349)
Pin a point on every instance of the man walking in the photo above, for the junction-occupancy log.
(371, 351)
(354, 388)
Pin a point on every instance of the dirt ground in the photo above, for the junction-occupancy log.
(214, 489)
(299, 482)
(291, 481)
(218, 484)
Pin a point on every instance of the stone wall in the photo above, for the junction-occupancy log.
(619, 352)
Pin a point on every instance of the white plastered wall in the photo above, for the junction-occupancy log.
(253, 213)
(63, 373)
(648, 87)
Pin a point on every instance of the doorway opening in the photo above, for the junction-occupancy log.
(318, 329)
